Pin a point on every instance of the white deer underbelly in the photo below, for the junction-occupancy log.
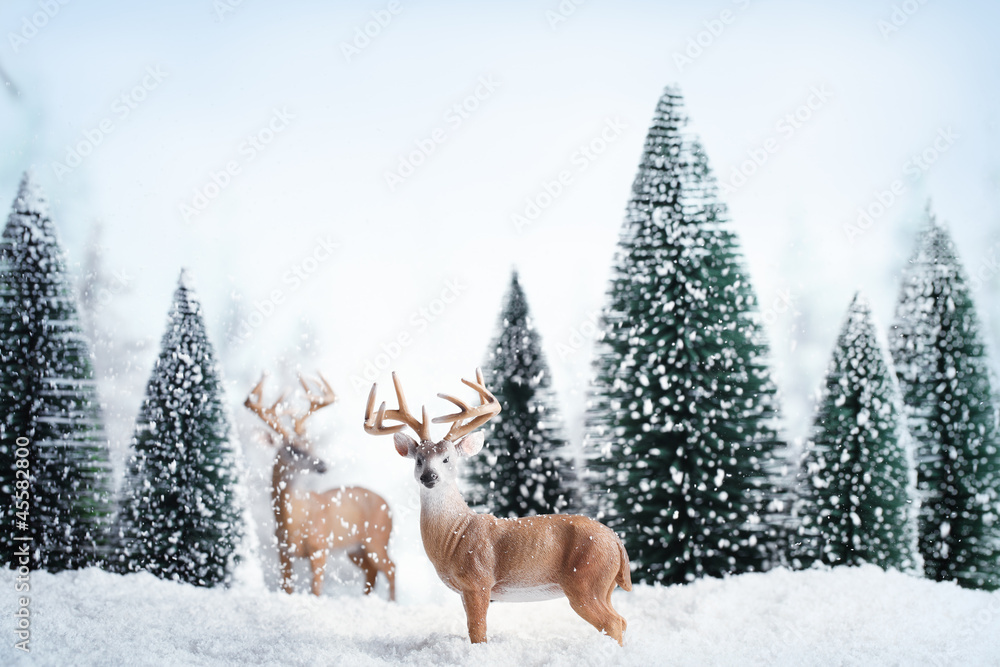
(525, 592)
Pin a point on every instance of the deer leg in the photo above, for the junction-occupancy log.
(361, 558)
(607, 601)
(476, 604)
(382, 563)
(285, 560)
(317, 561)
(357, 557)
(599, 614)
(390, 574)
(371, 574)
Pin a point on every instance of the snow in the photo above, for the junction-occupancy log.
(845, 616)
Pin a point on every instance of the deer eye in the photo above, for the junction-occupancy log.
(446, 459)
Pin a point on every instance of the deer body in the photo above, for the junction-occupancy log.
(310, 524)
(485, 558)
(339, 518)
(520, 560)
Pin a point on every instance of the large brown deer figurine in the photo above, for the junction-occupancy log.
(488, 559)
(309, 524)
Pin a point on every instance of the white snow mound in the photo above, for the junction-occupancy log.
(846, 616)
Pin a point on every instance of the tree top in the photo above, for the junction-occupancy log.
(185, 299)
(30, 198)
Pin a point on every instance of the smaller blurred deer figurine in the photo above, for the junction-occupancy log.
(487, 559)
(309, 524)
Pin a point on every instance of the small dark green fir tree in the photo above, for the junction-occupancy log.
(681, 430)
(179, 514)
(59, 494)
(523, 470)
(952, 407)
(857, 490)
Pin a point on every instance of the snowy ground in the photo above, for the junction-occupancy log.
(843, 617)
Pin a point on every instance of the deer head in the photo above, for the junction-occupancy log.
(294, 448)
(434, 462)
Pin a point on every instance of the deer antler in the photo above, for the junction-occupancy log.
(272, 415)
(374, 422)
(473, 417)
(316, 401)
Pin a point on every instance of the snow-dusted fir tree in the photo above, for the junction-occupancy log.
(522, 471)
(952, 408)
(857, 489)
(49, 398)
(179, 515)
(682, 421)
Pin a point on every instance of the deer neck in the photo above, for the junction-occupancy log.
(444, 516)
(283, 481)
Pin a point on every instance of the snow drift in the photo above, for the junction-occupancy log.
(818, 617)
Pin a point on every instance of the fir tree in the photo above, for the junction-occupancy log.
(857, 494)
(179, 516)
(48, 400)
(682, 421)
(952, 408)
(522, 471)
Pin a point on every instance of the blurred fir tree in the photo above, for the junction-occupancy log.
(106, 324)
(522, 470)
(48, 396)
(952, 408)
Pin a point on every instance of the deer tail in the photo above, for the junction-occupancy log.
(624, 578)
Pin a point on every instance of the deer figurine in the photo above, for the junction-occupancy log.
(309, 524)
(486, 559)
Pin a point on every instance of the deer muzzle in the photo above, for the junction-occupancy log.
(429, 478)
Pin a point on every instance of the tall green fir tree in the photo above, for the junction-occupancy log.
(523, 470)
(55, 474)
(180, 516)
(682, 423)
(857, 489)
(952, 407)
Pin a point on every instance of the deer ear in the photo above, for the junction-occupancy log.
(404, 444)
(470, 444)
